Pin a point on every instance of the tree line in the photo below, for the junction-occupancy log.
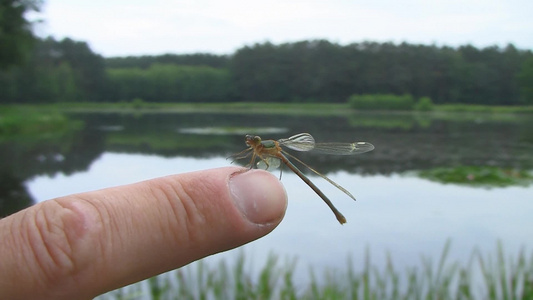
(305, 71)
(323, 71)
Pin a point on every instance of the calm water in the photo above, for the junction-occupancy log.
(397, 211)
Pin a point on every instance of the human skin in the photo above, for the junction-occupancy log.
(83, 245)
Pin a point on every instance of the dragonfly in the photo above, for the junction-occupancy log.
(270, 153)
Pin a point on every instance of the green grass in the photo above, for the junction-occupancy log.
(484, 276)
(140, 106)
(230, 107)
(25, 121)
(251, 108)
(523, 109)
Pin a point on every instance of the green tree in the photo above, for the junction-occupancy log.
(169, 83)
(57, 71)
(525, 79)
(16, 37)
(327, 72)
(88, 67)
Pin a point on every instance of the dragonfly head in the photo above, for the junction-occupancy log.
(252, 140)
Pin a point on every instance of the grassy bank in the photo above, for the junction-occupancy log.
(485, 276)
(526, 109)
(256, 108)
(230, 107)
(24, 121)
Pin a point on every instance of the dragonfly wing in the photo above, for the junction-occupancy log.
(299, 142)
(268, 163)
(343, 148)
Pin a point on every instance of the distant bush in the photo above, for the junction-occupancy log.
(138, 102)
(424, 104)
(382, 102)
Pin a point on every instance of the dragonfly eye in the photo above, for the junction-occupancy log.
(251, 139)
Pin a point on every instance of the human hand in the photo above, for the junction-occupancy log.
(83, 245)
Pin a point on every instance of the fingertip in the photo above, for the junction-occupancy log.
(259, 196)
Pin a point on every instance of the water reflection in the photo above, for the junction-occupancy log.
(47, 154)
(404, 142)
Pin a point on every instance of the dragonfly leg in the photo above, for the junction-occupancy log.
(265, 161)
(252, 161)
(328, 202)
(243, 154)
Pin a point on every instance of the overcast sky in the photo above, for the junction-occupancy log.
(136, 27)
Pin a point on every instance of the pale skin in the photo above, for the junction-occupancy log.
(83, 245)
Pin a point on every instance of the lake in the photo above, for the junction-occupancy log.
(431, 178)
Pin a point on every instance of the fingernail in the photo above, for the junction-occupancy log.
(259, 195)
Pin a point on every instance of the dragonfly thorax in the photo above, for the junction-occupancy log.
(269, 144)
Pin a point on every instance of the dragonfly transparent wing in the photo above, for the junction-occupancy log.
(306, 142)
(343, 148)
(268, 163)
(299, 142)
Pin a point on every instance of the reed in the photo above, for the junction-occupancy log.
(484, 276)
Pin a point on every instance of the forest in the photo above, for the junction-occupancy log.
(299, 72)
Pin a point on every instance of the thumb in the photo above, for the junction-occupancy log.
(83, 245)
